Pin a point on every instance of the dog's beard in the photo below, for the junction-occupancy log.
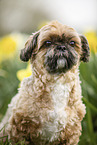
(58, 61)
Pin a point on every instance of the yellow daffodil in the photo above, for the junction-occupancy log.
(7, 47)
(92, 39)
(10, 44)
(21, 74)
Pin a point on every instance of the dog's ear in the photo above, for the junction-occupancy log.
(85, 50)
(26, 53)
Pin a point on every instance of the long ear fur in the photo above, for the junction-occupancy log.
(85, 49)
(26, 53)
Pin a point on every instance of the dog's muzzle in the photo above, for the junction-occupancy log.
(59, 59)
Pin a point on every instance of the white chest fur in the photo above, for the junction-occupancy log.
(58, 116)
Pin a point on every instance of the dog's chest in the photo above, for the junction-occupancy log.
(57, 118)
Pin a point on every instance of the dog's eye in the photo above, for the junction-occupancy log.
(48, 43)
(72, 43)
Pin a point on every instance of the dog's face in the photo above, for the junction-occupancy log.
(61, 47)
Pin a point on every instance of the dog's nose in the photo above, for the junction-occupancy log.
(60, 47)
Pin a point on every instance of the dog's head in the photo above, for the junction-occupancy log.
(60, 45)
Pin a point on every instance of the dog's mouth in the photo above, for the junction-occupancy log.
(60, 62)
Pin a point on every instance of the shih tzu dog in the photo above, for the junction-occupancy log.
(48, 109)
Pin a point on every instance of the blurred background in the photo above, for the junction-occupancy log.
(25, 16)
(18, 19)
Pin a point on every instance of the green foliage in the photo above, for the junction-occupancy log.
(88, 74)
(8, 82)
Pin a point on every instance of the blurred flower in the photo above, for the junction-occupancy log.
(7, 47)
(92, 39)
(21, 74)
(10, 44)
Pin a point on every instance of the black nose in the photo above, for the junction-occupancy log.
(60, 47)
